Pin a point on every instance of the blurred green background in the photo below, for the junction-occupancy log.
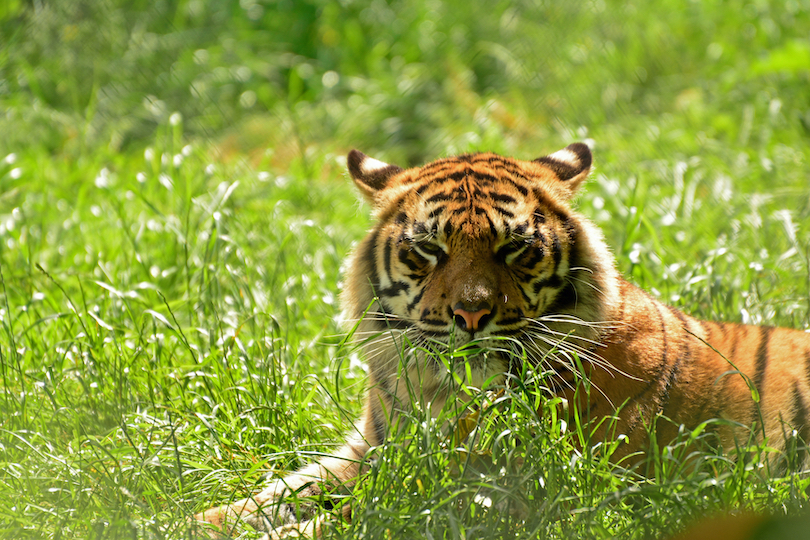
(414, 78)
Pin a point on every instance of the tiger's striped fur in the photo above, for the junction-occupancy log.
(488, 248)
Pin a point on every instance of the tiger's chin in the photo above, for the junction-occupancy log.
(476, 363)
(483, 370)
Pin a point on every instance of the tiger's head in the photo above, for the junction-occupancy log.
(481, 247)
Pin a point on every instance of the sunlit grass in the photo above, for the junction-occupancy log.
(169, 337)
(174, 214)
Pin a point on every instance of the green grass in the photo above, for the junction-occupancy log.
(169, 281)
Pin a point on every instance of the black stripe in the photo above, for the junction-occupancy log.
(368, 255)
(735, 339)
(539, 194)
(522, 190)
(634, 421)
(536, 256)
(509, 331)
(436, 167)
(478, 157)
(761, 360)
(394, 289)
(379, 375)
(380, 426)
(393, 322)
(421, 189)
(492, 229)
(562, 169)
(387, 321)
(452, 177)
(572, 231)
(482, 176)
(540, 237)
(405, 257)
(500, 197)
(801, 423)
(513, 170)
(807, 367)
(552, 282)
(686, 354)
(565, 300)
(538, 218)
(417, 277)
(416, 300)
(526, 298)
(556, 249)
(387, 258)
(503, 212)
(442, 196)
(437, 211)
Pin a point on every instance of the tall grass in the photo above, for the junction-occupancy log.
(174, 216)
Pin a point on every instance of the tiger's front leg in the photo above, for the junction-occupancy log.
(289, 505)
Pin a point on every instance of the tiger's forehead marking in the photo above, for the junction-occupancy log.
(478, 195)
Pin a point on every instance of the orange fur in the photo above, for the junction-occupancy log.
(487, 248)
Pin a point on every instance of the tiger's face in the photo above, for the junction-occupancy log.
(476, 247)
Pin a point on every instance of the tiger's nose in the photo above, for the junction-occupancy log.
(473, 319)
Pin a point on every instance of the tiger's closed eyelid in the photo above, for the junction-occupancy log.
(512, 242)
(509, 251)
(431, 248)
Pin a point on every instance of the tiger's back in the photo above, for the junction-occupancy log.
(691, 371)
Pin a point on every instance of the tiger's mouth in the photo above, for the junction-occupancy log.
(479, 359)
(478, 364)
(459, 348)
(454, 338)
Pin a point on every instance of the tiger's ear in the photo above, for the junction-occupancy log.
(571, 165)
(369, 174)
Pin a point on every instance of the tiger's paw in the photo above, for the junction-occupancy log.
(283, 510)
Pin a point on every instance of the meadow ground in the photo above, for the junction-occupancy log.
(174, 213)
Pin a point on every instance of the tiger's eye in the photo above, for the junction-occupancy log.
(510, 250)
(431, 249)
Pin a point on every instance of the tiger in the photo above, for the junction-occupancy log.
(486, 249)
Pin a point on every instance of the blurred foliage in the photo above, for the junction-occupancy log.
(412, 77)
